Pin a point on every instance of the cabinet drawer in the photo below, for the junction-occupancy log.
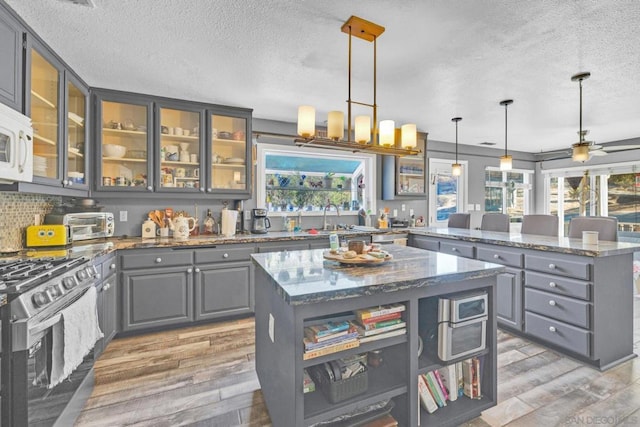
(425, 243)
(155, 259)
(559, 285)
(459, 249)
(570, 337)
(558, 307)
(580, 269)
(108, 267)
(225, 253)
(499, 256)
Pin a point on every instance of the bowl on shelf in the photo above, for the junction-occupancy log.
(114, 150)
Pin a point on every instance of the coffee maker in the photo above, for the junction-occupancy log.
(259, 221)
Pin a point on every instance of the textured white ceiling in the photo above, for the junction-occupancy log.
(436, 60)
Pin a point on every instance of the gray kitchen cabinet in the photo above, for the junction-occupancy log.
(223, 281)
(106, 300)
(283, 246)
(509, 298)
(404, 177)
(11, 66)
(423, 242)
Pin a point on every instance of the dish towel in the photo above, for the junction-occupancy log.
(74, 336)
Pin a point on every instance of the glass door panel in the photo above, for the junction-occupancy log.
(124, 145)
(76, 134)
(410, 179)
(45, 79)
(179, 149)
(228, 153)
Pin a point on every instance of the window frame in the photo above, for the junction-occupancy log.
(526, 185)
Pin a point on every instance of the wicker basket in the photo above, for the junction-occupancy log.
(337, 391)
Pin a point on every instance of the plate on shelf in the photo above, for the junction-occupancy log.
(234, 161)
(360, 259)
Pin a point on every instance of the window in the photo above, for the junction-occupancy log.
(508, 192)
(293, 179)
(610, 190)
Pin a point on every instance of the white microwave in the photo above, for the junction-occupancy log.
(462, 325)
(16, 146)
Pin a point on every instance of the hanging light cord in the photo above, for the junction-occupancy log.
(456, 141)
(505, 129)
(581, 134)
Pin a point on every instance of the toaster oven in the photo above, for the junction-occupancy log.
(85, 225)
(462, 325)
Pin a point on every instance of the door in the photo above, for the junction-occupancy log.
(76, 134)
(223, 290)
(449, 195)
(11, 64)
(509, 303)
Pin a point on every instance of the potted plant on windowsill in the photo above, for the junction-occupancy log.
(328, 179)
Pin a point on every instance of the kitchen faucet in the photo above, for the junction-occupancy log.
(324, 214)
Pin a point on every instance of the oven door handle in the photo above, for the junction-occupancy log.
(25, 335)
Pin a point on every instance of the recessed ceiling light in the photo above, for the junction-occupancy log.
(487, 143)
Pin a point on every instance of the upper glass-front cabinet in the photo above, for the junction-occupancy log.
(180, 149)
(404, 176)
(76, 134)
(124, 146)
(45, 116)
(230, 157)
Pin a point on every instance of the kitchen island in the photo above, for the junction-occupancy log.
(573, 297)
(294, 289)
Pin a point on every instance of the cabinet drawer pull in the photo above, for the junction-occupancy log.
(552, 284)
(552, 328)
(496, 256)
(454, 249)
(225, 255)
(112, 266)
(197, 270)
(158, 260)
(552, 266)
(149, 188)
(552, 303)
(189, 270)
(106, 287)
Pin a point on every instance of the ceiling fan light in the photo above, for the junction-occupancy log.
(456, 169)
(506, 163)
(580, 152)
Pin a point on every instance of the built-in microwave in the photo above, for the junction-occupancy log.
(462, 325)
(16, 146)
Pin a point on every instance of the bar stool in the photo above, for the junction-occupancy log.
(606, 226)
(459, 220)
(495, 222)
(543, 225)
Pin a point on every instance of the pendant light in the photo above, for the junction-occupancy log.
(456, 168)
(506, 161)
(581, 148)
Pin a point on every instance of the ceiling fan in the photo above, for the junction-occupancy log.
(592, 148)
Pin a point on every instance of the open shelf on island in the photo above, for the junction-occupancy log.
(448, 415)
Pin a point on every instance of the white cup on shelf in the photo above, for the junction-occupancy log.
(590, 237)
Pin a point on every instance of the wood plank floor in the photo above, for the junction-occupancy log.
(205, 376)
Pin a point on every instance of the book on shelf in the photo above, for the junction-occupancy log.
(380, 324)
(307, 383)
(425, 395)
(471, 376)
(449, 379)
(345, 345)
(383, 335)
(310, 345)
(460, 379)
(328, 328)
(380, 310)
(443, 389)
(368, 332)
(313, 338)
(434, 388)
(377, 319)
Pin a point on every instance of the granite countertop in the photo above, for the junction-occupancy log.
(530, 241)
(305, 277)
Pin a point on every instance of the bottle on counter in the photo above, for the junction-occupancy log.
(209, 224)
(334, 243)
(383, 222)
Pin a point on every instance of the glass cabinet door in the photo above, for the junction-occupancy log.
(180, 153)
(410, 173)
(45, 116)
(76, 135)
(228, 153)
(124, 147)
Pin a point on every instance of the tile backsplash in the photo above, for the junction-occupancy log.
(17, 211)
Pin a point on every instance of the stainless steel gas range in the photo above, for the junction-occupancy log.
(37, 291)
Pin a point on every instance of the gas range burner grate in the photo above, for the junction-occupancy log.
(20, 274)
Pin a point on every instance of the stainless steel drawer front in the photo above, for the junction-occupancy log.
(570, 337)
(559, 285)
(512, 259)
(558, 307)
(466, 251)
(555, 265)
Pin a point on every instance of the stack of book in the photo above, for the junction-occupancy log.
(446, 384)
(380, 322)
(329, 337)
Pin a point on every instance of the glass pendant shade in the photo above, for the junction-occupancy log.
(387, 132)
(580, 152)
(335, 125)
(409, 136)
(456, 169)
(363, 129)
(306, 121)
(506, 163)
